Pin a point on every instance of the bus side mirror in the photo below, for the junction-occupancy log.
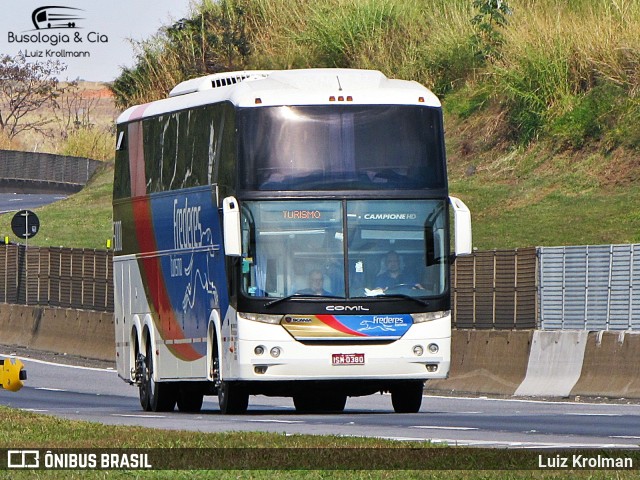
(231, 227)
(462, 231)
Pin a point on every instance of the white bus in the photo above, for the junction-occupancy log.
(284, 233)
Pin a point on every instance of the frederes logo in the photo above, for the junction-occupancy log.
(55, 17)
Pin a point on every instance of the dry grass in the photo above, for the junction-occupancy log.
(92, 105)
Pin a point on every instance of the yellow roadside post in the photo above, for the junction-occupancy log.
(12, 374)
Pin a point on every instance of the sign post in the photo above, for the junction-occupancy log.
(25, 224)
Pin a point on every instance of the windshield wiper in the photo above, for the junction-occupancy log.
(298, 295)
(404, 296)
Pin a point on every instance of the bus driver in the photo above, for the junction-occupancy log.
(394, 274)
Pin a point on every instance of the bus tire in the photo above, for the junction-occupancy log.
(143, 387)
(232, 398)
(189, 400)
(407, 398)
(336, 403)
(160, 396)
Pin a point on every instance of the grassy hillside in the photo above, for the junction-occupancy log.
(541, 100)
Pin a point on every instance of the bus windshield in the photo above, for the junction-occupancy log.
(341, 147)
(344, 249)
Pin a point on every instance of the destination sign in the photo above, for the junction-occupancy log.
(301, 212)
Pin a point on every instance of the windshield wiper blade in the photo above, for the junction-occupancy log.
(404, 296)
(298, 295)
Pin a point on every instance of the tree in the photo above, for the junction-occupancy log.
(26, 87)
(75, 111)
(491, 17)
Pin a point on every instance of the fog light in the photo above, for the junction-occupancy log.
(418, 350)
(432, 367)
(275, 352)
(433, 348)
(260, 370)
(259, 350)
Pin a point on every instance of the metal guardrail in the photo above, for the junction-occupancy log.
(594, 287)
(16, 166)
(495, 289)
(60, 277)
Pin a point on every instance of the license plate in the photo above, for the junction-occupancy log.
(347, 359)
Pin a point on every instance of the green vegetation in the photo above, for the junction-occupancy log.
(541, 98)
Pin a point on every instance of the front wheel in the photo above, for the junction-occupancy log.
(233, 399)
(407, 398)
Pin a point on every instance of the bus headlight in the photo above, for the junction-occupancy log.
(275, 352)
(418, 350)
(261, 317)
(429, 316)
(433, 348)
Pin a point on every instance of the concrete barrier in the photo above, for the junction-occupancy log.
(555, 363)
(76, 332)
(486, 361)
(611, 366)
(16, 325)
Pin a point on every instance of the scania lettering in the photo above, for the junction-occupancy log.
(284, 233)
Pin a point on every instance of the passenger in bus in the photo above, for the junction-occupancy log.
(394, 274)
(316, 284)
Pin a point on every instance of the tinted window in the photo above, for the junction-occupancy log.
(345, 147)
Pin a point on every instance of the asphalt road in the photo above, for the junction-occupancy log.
(97, 394)
(10, 202)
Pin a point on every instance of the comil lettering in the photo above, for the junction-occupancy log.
(302, 214)
(187, 229)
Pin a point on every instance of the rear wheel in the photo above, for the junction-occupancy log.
(155, 396)
(407, 398)
(189, 399)
(143, 386)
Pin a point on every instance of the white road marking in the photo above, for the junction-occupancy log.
(434, 427)
(525, 445)
(274, 421)
(26, 360)
(51, 389)
(594, 414)
(522, 400)
(137, 415)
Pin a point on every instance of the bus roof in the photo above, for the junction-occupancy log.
(257, 88)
